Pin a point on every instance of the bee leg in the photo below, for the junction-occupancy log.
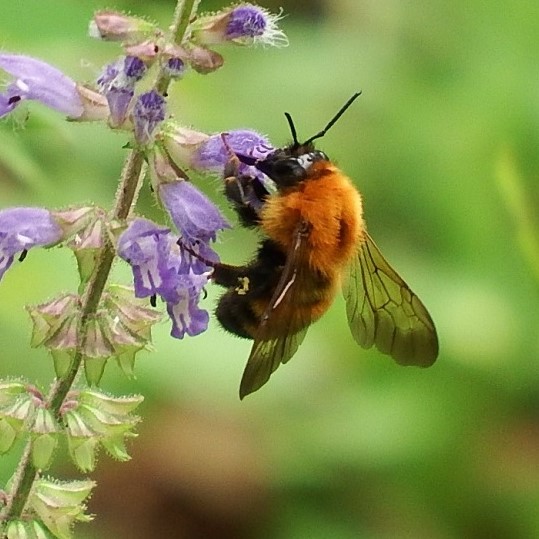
(261, 274)
(246, 193)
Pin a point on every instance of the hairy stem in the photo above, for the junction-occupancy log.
(184, 13)
(129, 185)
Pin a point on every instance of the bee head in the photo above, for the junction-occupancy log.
(289, 166)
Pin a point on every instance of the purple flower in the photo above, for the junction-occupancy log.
(213, 154)
(148, 114)
(151, 252)
(117, 83)
(161, 268)
(22, 228)
(244, 24)
(175, 67)
(39, 81)
(186, 315)
(196, 217)
(246, 21)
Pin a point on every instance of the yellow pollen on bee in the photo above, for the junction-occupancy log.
(243, 287)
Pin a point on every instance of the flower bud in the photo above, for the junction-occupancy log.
(243, 24)
(116, 26)
(87, 244)
(12, 418)
(66, 337)
(147, 51)
(113, 429)
(204, 60)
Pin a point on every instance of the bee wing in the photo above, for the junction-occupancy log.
(274, 345)
(383, 311)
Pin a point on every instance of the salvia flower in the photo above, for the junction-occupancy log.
(187, 317)
(216, 152)
(244, 24)
(117, 83)
(148, 114)
(39, 81)
(149, 249)
(195, 216)
(213, 154)
(22, 228)
(160, 267)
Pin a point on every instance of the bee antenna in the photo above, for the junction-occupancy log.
(333, 120)
(292, 129)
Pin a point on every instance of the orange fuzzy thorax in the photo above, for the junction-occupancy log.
(329, 202)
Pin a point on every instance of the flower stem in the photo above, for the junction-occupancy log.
(129, 185)
(184, 13)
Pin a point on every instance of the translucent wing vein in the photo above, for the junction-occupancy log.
(383, 311)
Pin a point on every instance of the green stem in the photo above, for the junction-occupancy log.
(126, 196)
(184, 13)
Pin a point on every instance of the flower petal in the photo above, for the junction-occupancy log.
(187, 317)
(195, 216)
(148, 114)
(37, 80)
(23, 228)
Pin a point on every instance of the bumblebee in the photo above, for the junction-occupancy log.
(315, 241)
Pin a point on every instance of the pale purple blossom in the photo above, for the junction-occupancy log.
(117, 84)
(149, 249)
(148, 114)
(213, 154)
(195, 216)
(187, 317)
(23, 228)
(160, 267)
(38, 81)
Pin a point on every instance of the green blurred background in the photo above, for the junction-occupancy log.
(342, 443)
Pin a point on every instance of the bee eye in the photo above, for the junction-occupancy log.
(290, 167)
(283, 171)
